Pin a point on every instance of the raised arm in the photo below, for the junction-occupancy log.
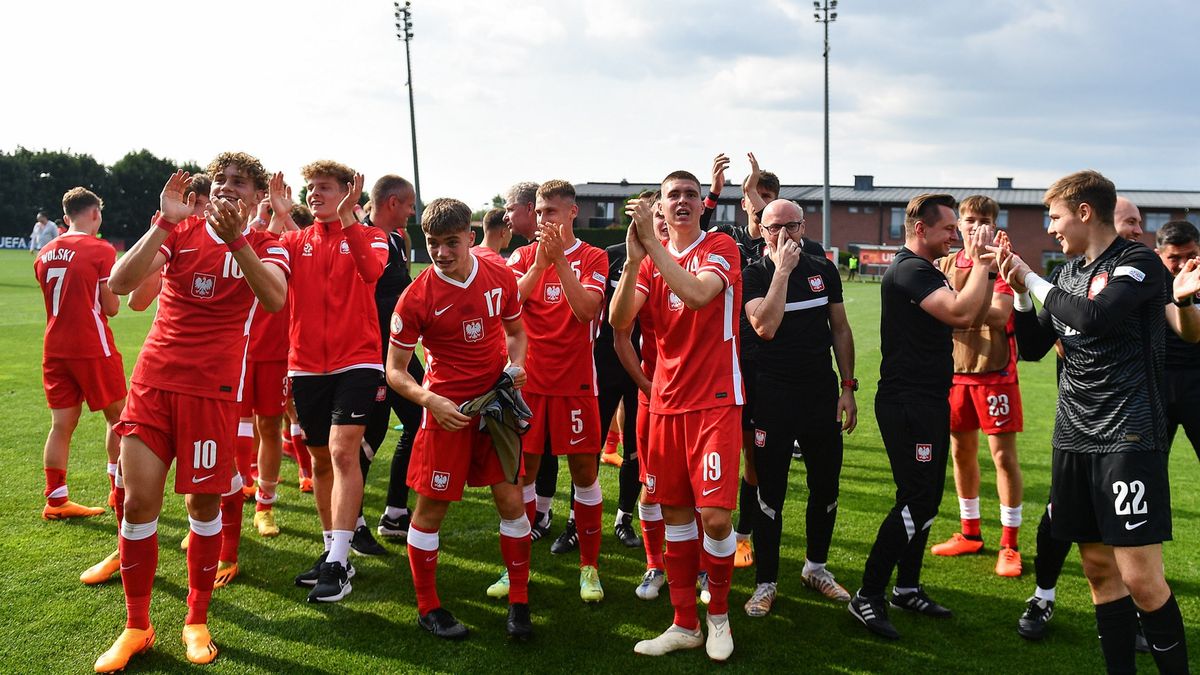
(145, 257)
(962, 309)
(1183, 314)
(268, 282)
(584, 303)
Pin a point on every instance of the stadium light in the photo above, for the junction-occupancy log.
(404, 33)
(826, 217)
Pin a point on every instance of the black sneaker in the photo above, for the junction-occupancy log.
(363, 542)
(567, 541)
(872, 612)
(1032, 624)
(442, 624)
(394, 528)
(541, 525)
(917, 601)
(333, 585)
(520, 625)
(626, 534)
(309, 577)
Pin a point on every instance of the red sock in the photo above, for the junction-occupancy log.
(139, 560)
(55, 479)
(302, 457)
(1008, 537)
(682, 562)
(516, 560)
(120, 507)
(653, 533)
(587, 524)
(720, 571)
(423, 564)
(970, 527)
(245, 458)
(231, 525)
(531, 511)
(610, 441)
(202, 555)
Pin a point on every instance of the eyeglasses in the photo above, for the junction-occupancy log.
(791, 227)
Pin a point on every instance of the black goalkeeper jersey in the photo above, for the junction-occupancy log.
(1109, 316)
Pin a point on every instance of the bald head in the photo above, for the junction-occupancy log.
(1127, 219)
(782, 211)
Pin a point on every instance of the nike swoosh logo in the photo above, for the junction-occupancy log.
(710, 491)
(129, 567)
(1134, 526)
(1164, 649)
(431, 558)
(577, 441)
(358, 415)
(209, 569)
(518, 564)
(439, 312)
(202, 478)
(591, 532)
(1002, 422)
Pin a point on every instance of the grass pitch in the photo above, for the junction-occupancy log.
(49, 622)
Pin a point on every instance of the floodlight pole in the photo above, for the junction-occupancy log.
(826, 14)
(404, 33)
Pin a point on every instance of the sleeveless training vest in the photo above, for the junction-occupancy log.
(976, 350)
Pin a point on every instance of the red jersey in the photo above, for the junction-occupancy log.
(269, 335)
(70, 270)
(697, 349)
(560, 360)
(334, 321)
(648, 348)
(1007, 375)
(460, 325)
(198, 342)
(488, 255)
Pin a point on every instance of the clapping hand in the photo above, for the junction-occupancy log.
(175, 203)
(346, 206)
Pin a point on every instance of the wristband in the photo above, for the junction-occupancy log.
(259, 220)
(165, 224)
(1022, 302)
(1038, 286)
(710, 201)
(238, 244)
(1184, 303)
(851, 384)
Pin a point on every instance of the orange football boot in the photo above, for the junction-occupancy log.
(957, 545)
(131, 642)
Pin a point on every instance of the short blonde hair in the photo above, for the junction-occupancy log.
(446, 216)
(556, 189)
(78, 199)
(329, 168)
(980, 205)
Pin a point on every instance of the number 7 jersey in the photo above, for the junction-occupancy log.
(70, 270)
(198, 342)
(461, 326)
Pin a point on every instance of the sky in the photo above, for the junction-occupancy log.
(923, 92)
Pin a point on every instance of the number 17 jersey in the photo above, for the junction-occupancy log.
(461, 326)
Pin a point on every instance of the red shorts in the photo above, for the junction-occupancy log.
(69, 382)
(200, 432)
(693, 458)
(995, 408)
(265, 390)
(572, 423)
(643, 437)
(444, 461)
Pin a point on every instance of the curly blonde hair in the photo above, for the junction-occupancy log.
(327, 167)
(245, 162)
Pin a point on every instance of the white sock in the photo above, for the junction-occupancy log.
(1010, 516)
(112, 469)
(810, 567)
(362, 522)
(649, 513)
(620, 516)
(395, 511)
(543, 504)
(296, 430)
(968, 509)
(903, 591)
(339, 548)
(327, 537)
(1044, 594)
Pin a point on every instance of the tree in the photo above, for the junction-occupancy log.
(138, 179)
(35, 181)
(497, 202)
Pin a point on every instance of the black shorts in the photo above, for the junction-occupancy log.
(1116, 498)
(341, 398)
(750, 385)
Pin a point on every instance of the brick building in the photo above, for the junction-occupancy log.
(873, 215)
